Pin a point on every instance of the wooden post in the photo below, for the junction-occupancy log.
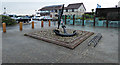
(107, 23)
(4, 27)
(94, 21)
(20, 26)
(83, 21)
(32, 24)
(65, 19)
(73, 19)
(49, 23)
(42, 23)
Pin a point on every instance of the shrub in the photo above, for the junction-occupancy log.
(88, 17)
(8, 20)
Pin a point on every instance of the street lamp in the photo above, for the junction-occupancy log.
(4, 10)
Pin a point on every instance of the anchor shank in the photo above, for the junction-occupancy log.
(64, 30)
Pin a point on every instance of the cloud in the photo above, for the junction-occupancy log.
(89, 4)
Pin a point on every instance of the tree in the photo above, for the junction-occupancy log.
(8, 20)
(92, 10)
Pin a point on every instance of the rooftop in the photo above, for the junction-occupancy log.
(70, 6)
(74, 6)
(51, 7)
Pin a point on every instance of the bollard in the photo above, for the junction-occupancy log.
(42, 23)
(49, 23)
(107, 23)
(4, 27)
(83, 21)
(65, 19)
(32, 24)
(94, 21)
(73, 19)
(20, 26)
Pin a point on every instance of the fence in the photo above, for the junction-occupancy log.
(89, 20)
(79, 20)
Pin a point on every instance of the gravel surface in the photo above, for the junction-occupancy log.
(48, 33)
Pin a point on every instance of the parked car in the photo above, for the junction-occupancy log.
(36, 17)
(13, 16)
(23, 19)
(45, 18)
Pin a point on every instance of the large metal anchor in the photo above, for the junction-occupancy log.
(65, 34)
(57, 32)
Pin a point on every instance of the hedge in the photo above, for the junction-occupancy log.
(8, 20)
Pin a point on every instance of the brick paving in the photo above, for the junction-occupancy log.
(69, 42)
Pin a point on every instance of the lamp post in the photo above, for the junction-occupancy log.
(4, 10)
(35, 12)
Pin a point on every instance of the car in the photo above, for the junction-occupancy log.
(36, 17)
(45, 18)
(23, 19)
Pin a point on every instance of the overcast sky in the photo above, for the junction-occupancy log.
(89, 4)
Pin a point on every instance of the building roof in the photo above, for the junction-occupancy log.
(70, 6)
(75, 6)
(53, 7)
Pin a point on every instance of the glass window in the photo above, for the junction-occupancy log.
(55, 10)
(52, 10)
(66, 10)
(72, 10)
(75, 9)
(80, 9)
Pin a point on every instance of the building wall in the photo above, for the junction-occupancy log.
(53, 14)
(79, 11)
(73, 13)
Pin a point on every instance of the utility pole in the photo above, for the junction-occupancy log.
(4, 10)
(35, 12)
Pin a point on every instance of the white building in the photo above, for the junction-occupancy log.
(75, 9)
(71, 9)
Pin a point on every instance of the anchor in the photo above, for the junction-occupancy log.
(57, 32)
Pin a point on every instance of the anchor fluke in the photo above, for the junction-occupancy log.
(57, 32)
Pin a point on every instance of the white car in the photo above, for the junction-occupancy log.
(35, 18)
(45, 18)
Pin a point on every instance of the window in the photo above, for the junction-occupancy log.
(37, 13)
(83, 10)
(56, 15)
(75, 10)
(72, 10)
(52, 11)
(55, 10)
(66, 10)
